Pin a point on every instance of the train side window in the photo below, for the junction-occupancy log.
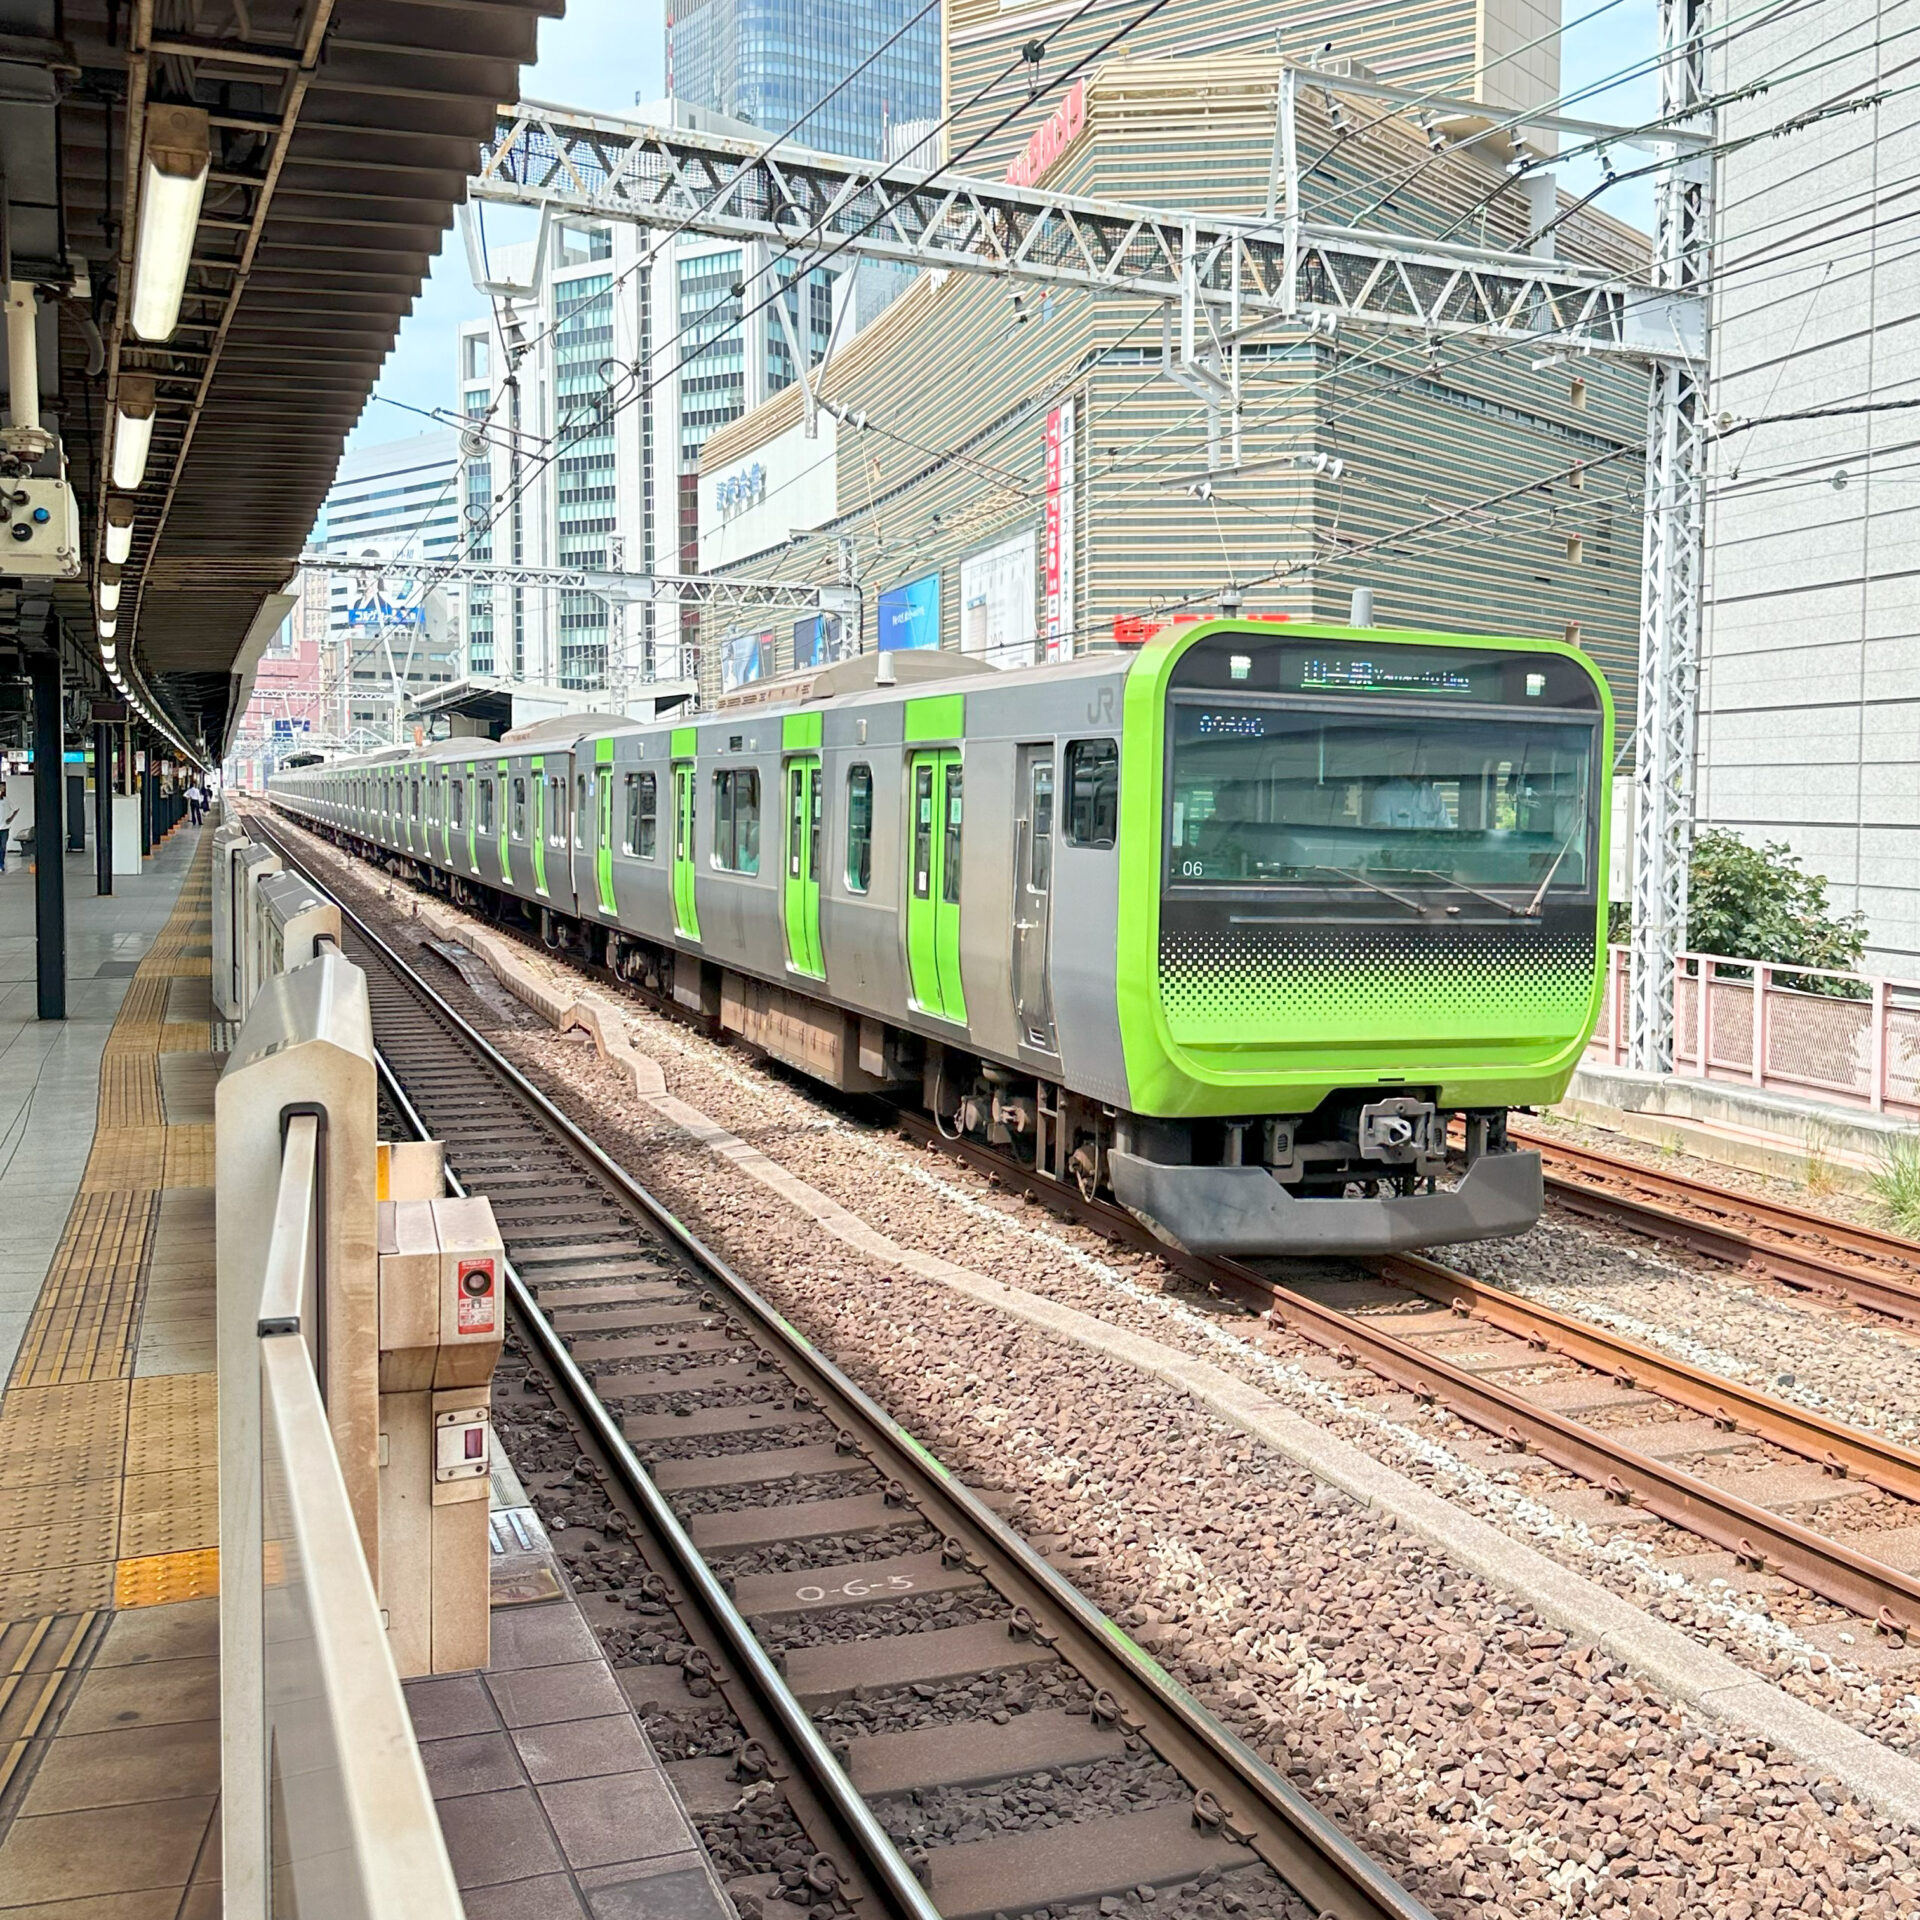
(519, 806)
(582, 809)
(483, 818)
(642, 816)
(1040, 862)
(923, 831)
(859, 829)
(736, 820)
(1093, 793)
(413, 800)
(950, 853)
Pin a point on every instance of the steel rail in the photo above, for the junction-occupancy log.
(1813, 1253)
(1831, 1445)
(871, 1843)
(1306, 1849)
(1755, 1537)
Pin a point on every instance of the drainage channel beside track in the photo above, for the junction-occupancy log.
(1612, 1411)
(760, 1545)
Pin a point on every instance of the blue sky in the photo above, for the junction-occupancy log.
(608, 53)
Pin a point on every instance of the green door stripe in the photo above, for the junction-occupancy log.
(603, 860)
(800, 732)
(537, 766)
(473, 808)
(503, 820)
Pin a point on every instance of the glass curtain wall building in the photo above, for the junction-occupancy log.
(772, 64)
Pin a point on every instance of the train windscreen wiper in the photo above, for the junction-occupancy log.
(1360, 879)
(1492, 899)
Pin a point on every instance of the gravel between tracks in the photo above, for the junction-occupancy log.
(1492, 1764)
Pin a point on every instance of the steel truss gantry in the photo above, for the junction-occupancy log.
(611, 584)
(1218, 281)
(1672, 581)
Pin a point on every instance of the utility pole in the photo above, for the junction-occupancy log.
(1674, 563)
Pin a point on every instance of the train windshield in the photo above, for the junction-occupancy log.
(1281, 796)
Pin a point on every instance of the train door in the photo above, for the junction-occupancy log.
(686, 919)
(603, 817)
(472, 782)
(933, 883)
(503, 818)
(537, 782)
(1033, 896)
(804, 801)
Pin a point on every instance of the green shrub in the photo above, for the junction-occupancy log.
(1896, 1184)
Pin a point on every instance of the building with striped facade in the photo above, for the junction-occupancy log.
(989, 432)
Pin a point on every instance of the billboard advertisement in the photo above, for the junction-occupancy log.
(996, 603)
(909, 616)
(820, 639)
(745, 657)
(1057, 525)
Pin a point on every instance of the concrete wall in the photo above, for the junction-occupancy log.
(1810, 689)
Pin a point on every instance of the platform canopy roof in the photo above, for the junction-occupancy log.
(341, 135)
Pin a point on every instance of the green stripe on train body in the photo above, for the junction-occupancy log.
(603, 812)
(1203, 1041)
(503, 819)
(537, 778)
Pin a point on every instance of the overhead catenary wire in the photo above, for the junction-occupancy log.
(790, 250)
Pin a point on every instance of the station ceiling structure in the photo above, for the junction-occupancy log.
(339, 138)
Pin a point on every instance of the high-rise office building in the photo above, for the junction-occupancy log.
(1810, 658)
(396, 506)
(776, 64)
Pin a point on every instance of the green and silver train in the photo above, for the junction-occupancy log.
(1229, 927)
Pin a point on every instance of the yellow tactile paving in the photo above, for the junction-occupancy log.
(74, 1432)
(82, 1325)
(170, 1423)
(126, 1159)
(35, 1657)
(157, 1580)
(108, 1492)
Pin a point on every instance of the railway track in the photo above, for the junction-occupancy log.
(1692, 1448)
(1621, 1415)
(1878, 1271)
(764, 1543)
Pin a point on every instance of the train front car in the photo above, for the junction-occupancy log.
(1362, 895)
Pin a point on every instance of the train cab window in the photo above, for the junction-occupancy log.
(643, 816)
(519, 806)
(556, 810)
(736, 820)
(950, 826)
(483, 815)
(859, 829)
(582, 808)
(1093, 793)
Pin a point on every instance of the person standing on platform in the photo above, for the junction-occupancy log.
(8, 815)
(196, 803)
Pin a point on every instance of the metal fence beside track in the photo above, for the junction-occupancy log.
(1856, 1043)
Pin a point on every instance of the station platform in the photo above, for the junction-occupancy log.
(109, 1747)
(552, 1802)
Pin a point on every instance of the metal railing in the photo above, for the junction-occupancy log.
(1825, 1033)
(350, 1829)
